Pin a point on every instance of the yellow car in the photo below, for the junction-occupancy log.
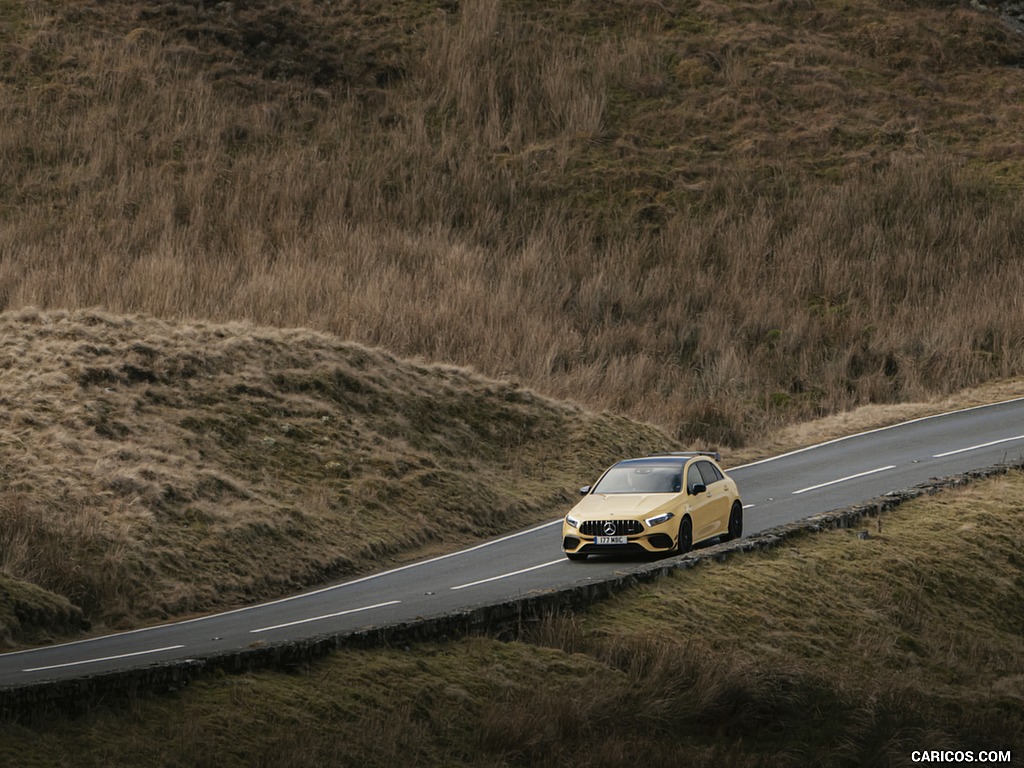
(659, 504)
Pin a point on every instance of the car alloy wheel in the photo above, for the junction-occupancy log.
(685, 536)
(735, 523)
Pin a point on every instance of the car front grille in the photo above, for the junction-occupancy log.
(604, 527)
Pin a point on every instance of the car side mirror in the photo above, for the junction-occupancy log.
(698, 489)
(584, 490)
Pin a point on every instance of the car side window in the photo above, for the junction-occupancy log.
(709, 472)
(693, 478)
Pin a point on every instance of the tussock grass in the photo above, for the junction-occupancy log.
(719, 217)
(153, 469)
(830, 650)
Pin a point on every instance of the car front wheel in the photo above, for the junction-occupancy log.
(685, 537)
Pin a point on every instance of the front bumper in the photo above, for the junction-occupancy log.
(653, 542)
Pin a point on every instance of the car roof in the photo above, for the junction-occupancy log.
(688, 455)
(660, 461)
(668, 459)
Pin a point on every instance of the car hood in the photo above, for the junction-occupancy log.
(597, 506)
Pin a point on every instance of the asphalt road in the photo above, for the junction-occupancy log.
(782, 489)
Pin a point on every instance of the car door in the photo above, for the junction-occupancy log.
(699, 500)
(717, 507)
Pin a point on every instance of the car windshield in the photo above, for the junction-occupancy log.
(641, 478)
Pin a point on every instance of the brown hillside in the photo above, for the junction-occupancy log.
(719, 217)
(151, 469)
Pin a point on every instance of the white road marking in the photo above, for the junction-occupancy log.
(325, 616)
(299, 596)
(507, 575)
(557, 521)
(749, 506)
(874, 431)
(978, 447)
(844, 479)
(105, 658)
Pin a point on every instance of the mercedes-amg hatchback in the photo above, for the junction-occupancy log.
(658, 504)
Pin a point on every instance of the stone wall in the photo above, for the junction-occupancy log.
(504, 620)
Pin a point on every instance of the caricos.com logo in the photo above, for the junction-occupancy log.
(961, 756)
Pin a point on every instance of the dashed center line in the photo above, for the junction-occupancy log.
(507, 575)
(105, 658)
(325, 616)
(844, 479)
(977, 447)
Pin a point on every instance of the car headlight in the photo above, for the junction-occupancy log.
(572, 521)
(658, 519)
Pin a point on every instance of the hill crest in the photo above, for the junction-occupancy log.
(151, 469)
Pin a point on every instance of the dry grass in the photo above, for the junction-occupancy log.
(153, 469)
(717, 217)
(156, 469)
(720, 218)
(831, 650)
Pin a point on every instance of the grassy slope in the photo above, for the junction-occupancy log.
(155, 469)
(714, 216)
(831, 650)
(795, 150)
(152, 469)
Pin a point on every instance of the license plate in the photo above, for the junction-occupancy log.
(610, 540)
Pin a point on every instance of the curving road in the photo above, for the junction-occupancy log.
(778, 490)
